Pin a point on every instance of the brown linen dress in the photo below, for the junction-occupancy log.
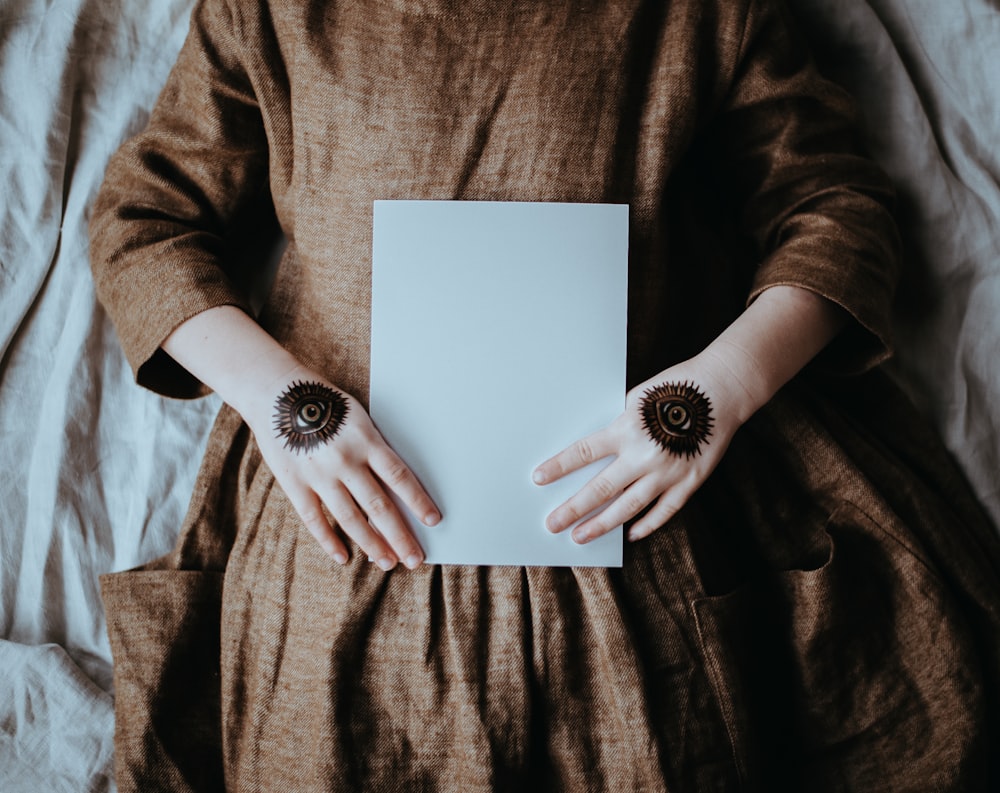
(824, 615)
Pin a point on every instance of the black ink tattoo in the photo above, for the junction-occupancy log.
(308, 414)
(677, 416)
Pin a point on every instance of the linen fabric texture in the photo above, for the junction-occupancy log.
(822, 615)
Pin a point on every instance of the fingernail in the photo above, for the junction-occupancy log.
(339, 558)
(580, 538)
(412, 561)
(538, 477)
(386, 563)
(432, 518)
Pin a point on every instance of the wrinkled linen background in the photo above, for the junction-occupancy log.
(95, 473)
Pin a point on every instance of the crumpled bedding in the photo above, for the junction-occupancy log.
(926, 76)
(96, 473)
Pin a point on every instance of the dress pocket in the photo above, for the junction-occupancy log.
(845, 676)
(164, 632)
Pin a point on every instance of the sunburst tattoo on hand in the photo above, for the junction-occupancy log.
(677, 416)
(308, 414)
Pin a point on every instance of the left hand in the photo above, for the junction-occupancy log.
(644, 473)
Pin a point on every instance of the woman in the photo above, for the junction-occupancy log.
(809, 597)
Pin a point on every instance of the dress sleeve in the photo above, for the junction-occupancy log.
(817, 209)
(172, 194)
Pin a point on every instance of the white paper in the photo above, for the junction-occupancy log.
(498, 338)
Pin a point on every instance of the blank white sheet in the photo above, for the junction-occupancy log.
(498, 338)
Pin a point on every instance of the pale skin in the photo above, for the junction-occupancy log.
(354, 473)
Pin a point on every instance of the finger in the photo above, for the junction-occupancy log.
(582, 453)
(629, 504)
(355, 525)
(668, 505)
(605, 486)
(382, 512)
(310, 509)
(390, 468)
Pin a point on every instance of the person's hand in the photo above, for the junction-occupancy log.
(325, 451)
(673, 432)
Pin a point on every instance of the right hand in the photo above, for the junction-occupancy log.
(350, 474)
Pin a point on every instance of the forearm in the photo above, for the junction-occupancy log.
(767, 345)
(230, 353)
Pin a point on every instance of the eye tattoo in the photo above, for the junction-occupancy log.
(308, 414)
(677, 416)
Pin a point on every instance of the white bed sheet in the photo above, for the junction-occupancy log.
(95, 474)
(926, 75)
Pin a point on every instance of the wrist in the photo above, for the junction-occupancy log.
(263, 386)
(735, 377)
(767, 345)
